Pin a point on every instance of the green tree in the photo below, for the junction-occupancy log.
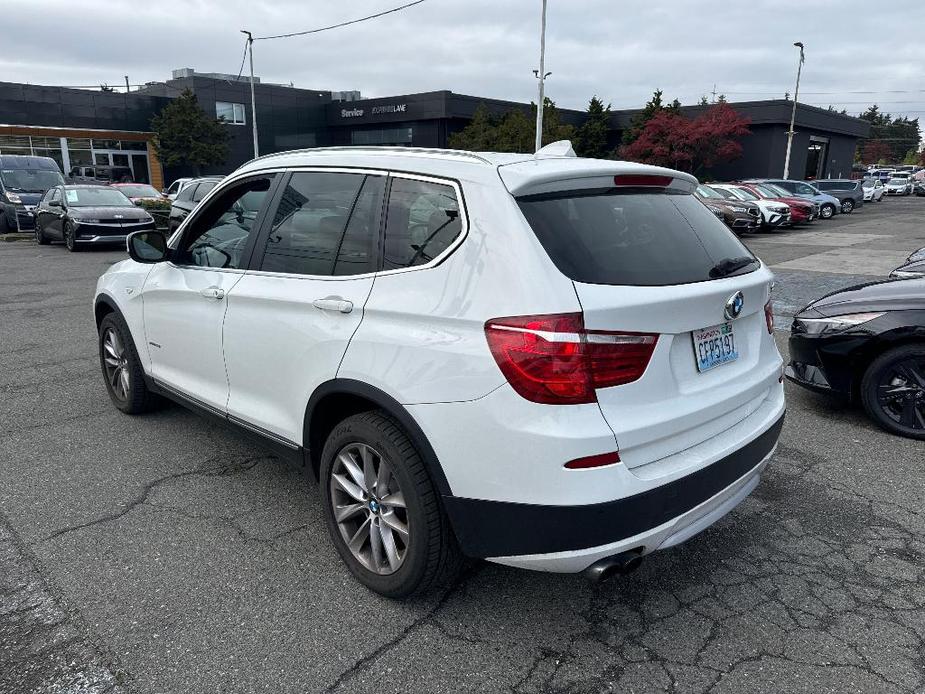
(653, 106)
(515, 131)
(185, 135)
(912, 157)
(479, 135)
(900, 134)
(591, 138)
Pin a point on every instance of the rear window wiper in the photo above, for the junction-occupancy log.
(727, 266)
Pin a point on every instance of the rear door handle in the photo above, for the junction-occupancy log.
(333, 303)
(213, 293)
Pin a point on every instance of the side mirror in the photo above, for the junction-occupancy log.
(147, 246)
(54, 203)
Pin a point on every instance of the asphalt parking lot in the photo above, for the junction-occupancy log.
(166, 554)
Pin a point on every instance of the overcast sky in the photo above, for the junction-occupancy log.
(856, 52)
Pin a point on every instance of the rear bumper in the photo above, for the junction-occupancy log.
(556, 538)
(571, 538)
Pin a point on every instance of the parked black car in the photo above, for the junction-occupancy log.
(188, 198)
(867, 343)
(23, 182)
(84, 215)
(849, 191)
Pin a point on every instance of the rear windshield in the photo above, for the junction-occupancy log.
(635, 237)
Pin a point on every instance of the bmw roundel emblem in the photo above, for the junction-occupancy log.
(734, 306)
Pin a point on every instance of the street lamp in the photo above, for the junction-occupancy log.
(250, 49)
(793, 113)
(541, 75)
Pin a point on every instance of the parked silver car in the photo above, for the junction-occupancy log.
(849, 192)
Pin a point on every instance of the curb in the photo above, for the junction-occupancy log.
(18, 236)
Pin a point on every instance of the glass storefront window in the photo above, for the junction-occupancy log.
(80, 157)
(78, 143)
(105, 144)
(382, 136)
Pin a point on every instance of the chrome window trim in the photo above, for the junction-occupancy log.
(232, 179)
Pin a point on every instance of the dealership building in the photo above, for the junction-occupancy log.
(82, 127)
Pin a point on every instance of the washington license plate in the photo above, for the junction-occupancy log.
(714, 346)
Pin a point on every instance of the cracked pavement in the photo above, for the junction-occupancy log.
(165, 553)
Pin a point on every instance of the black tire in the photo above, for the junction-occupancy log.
(4, 225)
(847, 206)
(70, 238)
(827, 211)
(904, 412)
(138, 398)
(432, 557)
(40, 237)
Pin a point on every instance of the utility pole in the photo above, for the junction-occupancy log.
(793, 113)
(250, 49)
(541, 75)
(127, 88)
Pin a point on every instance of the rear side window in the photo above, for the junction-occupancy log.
(634, 237)
(423, 221)
(203, 189)
(326, 224)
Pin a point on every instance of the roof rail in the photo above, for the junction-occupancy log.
(383, 149)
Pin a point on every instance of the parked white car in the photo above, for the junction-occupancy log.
(174, 189)
(553, 363)
(874, 190)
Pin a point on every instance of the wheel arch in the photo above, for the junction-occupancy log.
(103, 306)
(339, 398)
(901, 337)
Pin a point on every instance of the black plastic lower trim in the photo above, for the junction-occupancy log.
(498, 529)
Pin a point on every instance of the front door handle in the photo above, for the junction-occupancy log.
(213, 293)
(333, 303)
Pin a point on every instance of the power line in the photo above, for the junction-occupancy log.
(341, 24)
(243, 58)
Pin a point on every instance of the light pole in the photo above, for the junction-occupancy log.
(541, 75)
(250, 49)
(793, 113)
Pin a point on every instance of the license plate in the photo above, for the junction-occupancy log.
(714, 346)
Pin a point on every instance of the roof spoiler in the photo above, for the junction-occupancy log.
(561, 148)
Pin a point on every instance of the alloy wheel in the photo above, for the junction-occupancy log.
(115, 361)
(901, 393)
(369, 508)
(847, 206)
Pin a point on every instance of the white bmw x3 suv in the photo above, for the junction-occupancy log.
(548, 362)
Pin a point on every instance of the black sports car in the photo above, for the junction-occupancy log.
(867, 343)
(85, 215)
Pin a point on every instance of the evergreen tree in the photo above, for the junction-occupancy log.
(591, 138)
(185, 135)
(479, 135)
(653, 107)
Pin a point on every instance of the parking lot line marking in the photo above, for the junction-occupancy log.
(826, 238)
(848, 261)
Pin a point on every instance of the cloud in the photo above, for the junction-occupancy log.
(620, 51)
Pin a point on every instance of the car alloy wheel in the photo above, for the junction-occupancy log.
(827, 211)
(115, 361)
(901, 393)
(70, 239)
(40, 235)
(369, 508)
(893, 391)
(847, 206)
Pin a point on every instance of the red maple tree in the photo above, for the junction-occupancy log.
(670, 139)
(875, 151)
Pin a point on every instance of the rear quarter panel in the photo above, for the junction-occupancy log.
(422, 338)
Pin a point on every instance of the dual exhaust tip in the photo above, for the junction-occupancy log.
(617, 565)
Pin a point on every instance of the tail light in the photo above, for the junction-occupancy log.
(769, 316)
(553, 359)
(642, 180)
